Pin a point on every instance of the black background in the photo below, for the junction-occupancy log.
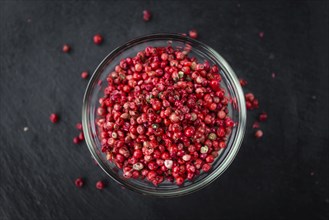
(284, 175)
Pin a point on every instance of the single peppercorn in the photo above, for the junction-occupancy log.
(81, 136)
(255, 124)
(259, 134)
(76, 140)
(261, 34)
(78, 126)
(79, 182)
(84, 75)
(98, 39)
(147, 15)
(193, 34)
(262, 116)
(243, 82)
(66, 48)
(100, 185)
(53, 118)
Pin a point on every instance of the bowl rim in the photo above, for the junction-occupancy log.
(212, 176)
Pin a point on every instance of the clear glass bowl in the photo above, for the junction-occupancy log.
(237, 111)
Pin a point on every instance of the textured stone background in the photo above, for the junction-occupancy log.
(282, 176)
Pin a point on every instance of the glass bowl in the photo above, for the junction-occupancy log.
(237, 111)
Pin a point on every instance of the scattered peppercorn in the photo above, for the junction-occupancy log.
(261, 34)
(98, 39)
(53, 118)
(263, 116)
(243, 82)
(79, 182)
(259, 134)
(147, 15)
(76, 140)
(66, 48)
(81, 136)
(100, 185)
(193, 34)
(255, 124)
(84, 75)
(78, 126)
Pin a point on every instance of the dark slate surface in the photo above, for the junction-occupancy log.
(282, 176)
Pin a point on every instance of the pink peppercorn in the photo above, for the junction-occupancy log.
(98, 39)
(259, 134)
(147, 15)
(81, 136)
(76, 140)
(193, 34)
(261, 34)
(79, 182)
(66, 48)
(53, 118)
(255, 124)
(249, 96)
(179, 180)
(78, 126)
(189, 131)
(209, 159)
(84, 75)
(100, 185)
(243, 82)
(263, 116)
(255, 103)
(206, 167)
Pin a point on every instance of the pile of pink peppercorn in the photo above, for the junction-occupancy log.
(163, 116)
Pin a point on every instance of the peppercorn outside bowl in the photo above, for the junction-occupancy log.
(236, 107)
